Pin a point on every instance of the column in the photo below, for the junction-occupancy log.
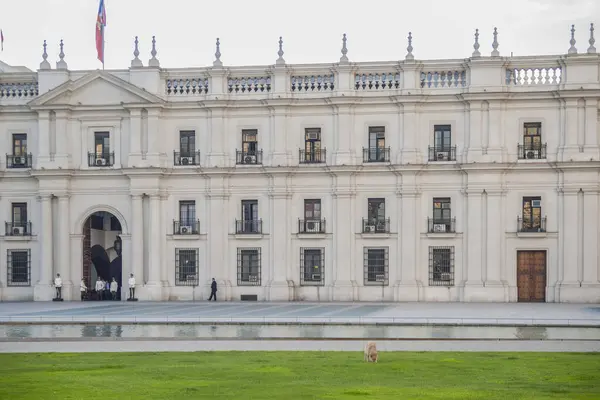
(495, 230)
(43, 155)
(590, 238)
(76, 254)
(279, 238)
(474, 235)
(64, 255)
(409, 133)
(44, 290)
(218, 224)
(475, 132)
(137, 239)
(135, 137)
(165, 270)
(344, 134)
(570, 238)
(571, 149)
(62, 139)
(496, 129)
(154, 262)
(409, 229)
(217, 153)
(126, 252)
(343, 288)
(156, 153)
(591, 125)
(278, 137)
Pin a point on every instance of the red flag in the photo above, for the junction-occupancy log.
(2, 39)
(100, 24)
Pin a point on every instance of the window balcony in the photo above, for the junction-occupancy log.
(530, 225)
(313, 157)
(441, 225)
(190, 227)
(376, 154)
(16, 229)
(101, 159)
(442, 153)
(380, 225)
(249, 158)
(186, 158)
(248, 227)
(23, 161)
(309, 226)
(529, 152)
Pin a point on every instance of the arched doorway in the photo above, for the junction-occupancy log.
(102, 253)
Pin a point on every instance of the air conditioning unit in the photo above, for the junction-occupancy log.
(18, 230)
(532, 154)
(316, 277)
(187, 160)
(253, 278)
(250, 159)
(185, 230)
(100, 161)
(442, 156)
(445, 276)
(19, 160)
(439, 228)
(312, 136)
(536, 203)
(371, 228)
(379, 278)
(310, 226)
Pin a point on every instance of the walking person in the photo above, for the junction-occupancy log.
(114, 286)
(213, 290)
(131, 283)
(83, 290)
(58, 286)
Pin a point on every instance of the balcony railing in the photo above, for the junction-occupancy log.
(190, 227)
(441, 225)
(101, 159)
(186, 158)
(442, 153)
(313, 156)
(311, 226)
(532, 152)
(24, 161)
(379, 225)
(376, 154)
(250, 227)
(17, 228)
(529, 225)
(248, 158)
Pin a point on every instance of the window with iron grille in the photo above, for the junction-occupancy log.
(376, 266)
(186, 267)
(18, 265)
(441, 266)
(249, 266)
(312, 266)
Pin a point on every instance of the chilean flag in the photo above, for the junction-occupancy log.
(100, 24)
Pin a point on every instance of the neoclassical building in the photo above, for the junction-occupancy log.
(472, 179)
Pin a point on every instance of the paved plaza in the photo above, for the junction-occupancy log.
(522, 314)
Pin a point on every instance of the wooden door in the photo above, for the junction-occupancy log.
(531, 276)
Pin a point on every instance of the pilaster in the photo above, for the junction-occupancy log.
(279, 289)
(473, 290)
(280, 155)
(218, 153)
(43, 156)
(570, 238)
(62, 158)
(135, 137)
(153, 287)
(345, 282)
(64, 259)
(137, 238)
(76, 272)
(343, 115)
(410, 125)
(574, 131)
(44, 290)
(156, 157)
(407, 286)
(475, 150)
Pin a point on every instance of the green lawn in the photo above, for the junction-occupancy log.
(299, 375)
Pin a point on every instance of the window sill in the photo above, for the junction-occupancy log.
(442, 235)
(376, 235)
(312, 235)
(445, 162)
(196, 236)
(532, 234)
(19, 238)
(532, 160)
(248, 236)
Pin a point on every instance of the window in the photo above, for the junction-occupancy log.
(250, 222)
(442, 137)
(102, 144)
(442, 211)
(19, 145)
(441, 266)
(312, 222)
(376, 266)
(249, 267)
(186, 267)
(376, 221)
(18, 264)
(187, 212)
(377, 152)
(249, 141)
(312, 265)
(187, 143)
(312, 146)
(19, 224)
(532, 214)
(532, 136)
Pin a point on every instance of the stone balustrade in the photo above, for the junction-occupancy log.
(19, 90)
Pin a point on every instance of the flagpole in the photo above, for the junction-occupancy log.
(103, 41)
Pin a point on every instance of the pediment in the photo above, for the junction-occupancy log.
(96, 89)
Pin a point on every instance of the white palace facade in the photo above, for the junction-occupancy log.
(472, 180)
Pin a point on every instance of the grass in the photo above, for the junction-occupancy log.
(299, 375)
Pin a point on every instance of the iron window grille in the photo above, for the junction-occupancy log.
(17, 228)
(19, 161)
(376, 225)
(186, 267)
(248, 227)
(376, 266)
(446, 225)
(437, 153)
(532, 152)
(103, 159)
(248, 268)
(311, 226)
(18, 271)
(441, 266)
(188, 227)
(313, 156)
(376, 154)
(524, 225)
(312, 266)
(186, 158)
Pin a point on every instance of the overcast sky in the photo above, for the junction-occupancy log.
(312, 29)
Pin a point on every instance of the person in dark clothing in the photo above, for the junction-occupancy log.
(213, 290)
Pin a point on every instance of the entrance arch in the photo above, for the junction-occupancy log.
(102, 250)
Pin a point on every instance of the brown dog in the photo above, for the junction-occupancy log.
(370, 354)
